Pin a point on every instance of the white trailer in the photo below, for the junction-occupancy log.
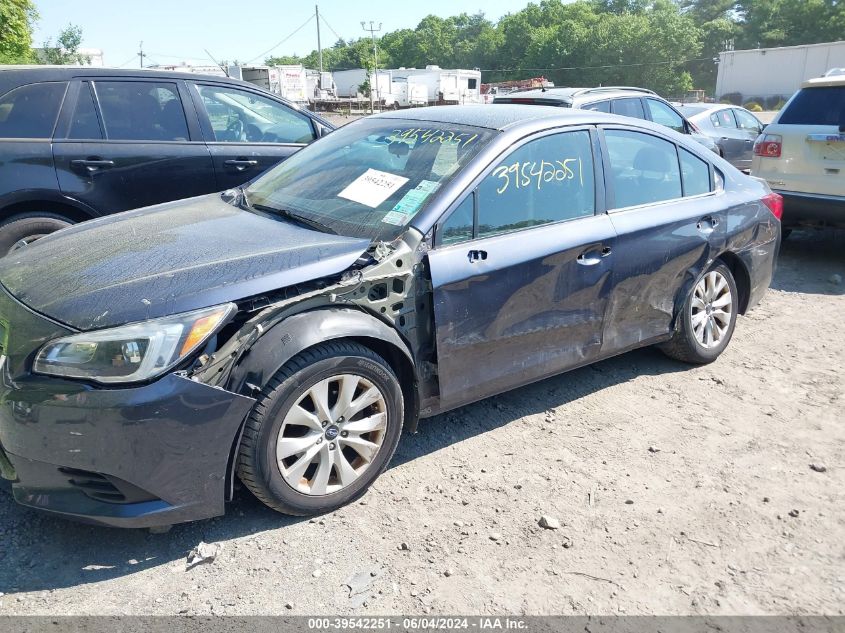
(288, 81)
(445, 85)
(763, 73)
(409, 93)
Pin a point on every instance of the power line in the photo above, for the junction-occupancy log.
(270, 50)
(323, 17)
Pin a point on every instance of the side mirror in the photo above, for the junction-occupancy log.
(322, 131)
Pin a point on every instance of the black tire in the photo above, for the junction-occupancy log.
(29, 225)
(684, 344)
(257, 467)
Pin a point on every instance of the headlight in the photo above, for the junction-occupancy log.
(131, 353)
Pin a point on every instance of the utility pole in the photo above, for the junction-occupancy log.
(141, 52)
(319, 47)
(373, 32)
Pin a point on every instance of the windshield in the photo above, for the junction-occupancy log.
(369, 178)
(816, 106)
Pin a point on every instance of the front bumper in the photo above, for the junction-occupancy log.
(812, 209)
(138, 456)
(151, 455)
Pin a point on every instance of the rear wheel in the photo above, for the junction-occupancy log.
(323, 430)
(706, 324)
(25, 228)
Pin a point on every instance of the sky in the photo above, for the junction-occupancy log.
(179, 30)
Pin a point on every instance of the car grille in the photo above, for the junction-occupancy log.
(105, 487)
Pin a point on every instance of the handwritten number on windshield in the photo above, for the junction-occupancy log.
(536, 173)
(430, 135)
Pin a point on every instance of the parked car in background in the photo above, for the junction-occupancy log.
(801, 154)
(732, 128)
(288, 331)
(78, 143)
(625, 101)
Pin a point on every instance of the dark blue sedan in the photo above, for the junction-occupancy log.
(285, 333)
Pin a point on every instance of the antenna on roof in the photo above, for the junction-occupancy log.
(211, 57)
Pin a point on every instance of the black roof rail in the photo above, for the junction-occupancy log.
(613, 89)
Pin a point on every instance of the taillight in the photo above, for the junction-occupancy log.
(768, 145)
(775, 203)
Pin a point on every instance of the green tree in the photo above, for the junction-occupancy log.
(16, 20)
(65, 50)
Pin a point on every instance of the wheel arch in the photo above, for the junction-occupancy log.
(46, 204)
(741, 276)
(303, 331)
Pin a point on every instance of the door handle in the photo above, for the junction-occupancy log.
(91, 164)
(476, 255)
(240, 164)
(593, 256)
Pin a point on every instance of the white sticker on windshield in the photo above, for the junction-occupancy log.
(372, 188)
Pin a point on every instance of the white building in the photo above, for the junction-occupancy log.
(775, 72)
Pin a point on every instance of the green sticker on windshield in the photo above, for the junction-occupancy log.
(410, 203)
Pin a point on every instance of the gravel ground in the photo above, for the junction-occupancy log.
(677, 490)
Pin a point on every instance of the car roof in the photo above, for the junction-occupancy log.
(701, 108)
(833, 80)
(507, 116)
(31, 73)
(571, 94)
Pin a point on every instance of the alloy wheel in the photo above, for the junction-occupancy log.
(711, 309)
(331, 434)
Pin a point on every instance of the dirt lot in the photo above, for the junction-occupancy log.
(679, 490)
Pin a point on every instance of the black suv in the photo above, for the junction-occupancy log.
(78, 143)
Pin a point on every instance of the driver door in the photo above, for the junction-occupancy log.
(247, 132)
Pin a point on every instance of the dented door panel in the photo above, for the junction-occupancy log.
(660, 249)
(524, 308)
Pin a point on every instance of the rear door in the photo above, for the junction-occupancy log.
(248, 132)
(749, 129)
(128, 143)
(521, 270)
(28, 116)
(668, 216)
(730, 138)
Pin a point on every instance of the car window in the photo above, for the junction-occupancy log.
(84, 123)
(746, 121)
(664, 115)
(643, 168)
(599, 106)
(458, 226)
(546, 180)
(816, 106)
(31, 111)
(141, 111)
(723, 118)
(629, 107)
(239, 116)
(696, 174)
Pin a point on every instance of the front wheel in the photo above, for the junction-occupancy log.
(323, 429)
(707, 321)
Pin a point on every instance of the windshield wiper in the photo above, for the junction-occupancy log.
(290, 215)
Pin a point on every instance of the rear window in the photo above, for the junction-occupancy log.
(816, 106)
(31, 111)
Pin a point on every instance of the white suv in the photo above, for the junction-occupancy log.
(801, 154)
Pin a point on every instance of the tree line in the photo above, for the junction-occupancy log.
(670, 46)
(17, 18)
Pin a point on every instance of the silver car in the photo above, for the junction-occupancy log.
(732, 128)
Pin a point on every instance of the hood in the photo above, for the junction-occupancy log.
(168, 259)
